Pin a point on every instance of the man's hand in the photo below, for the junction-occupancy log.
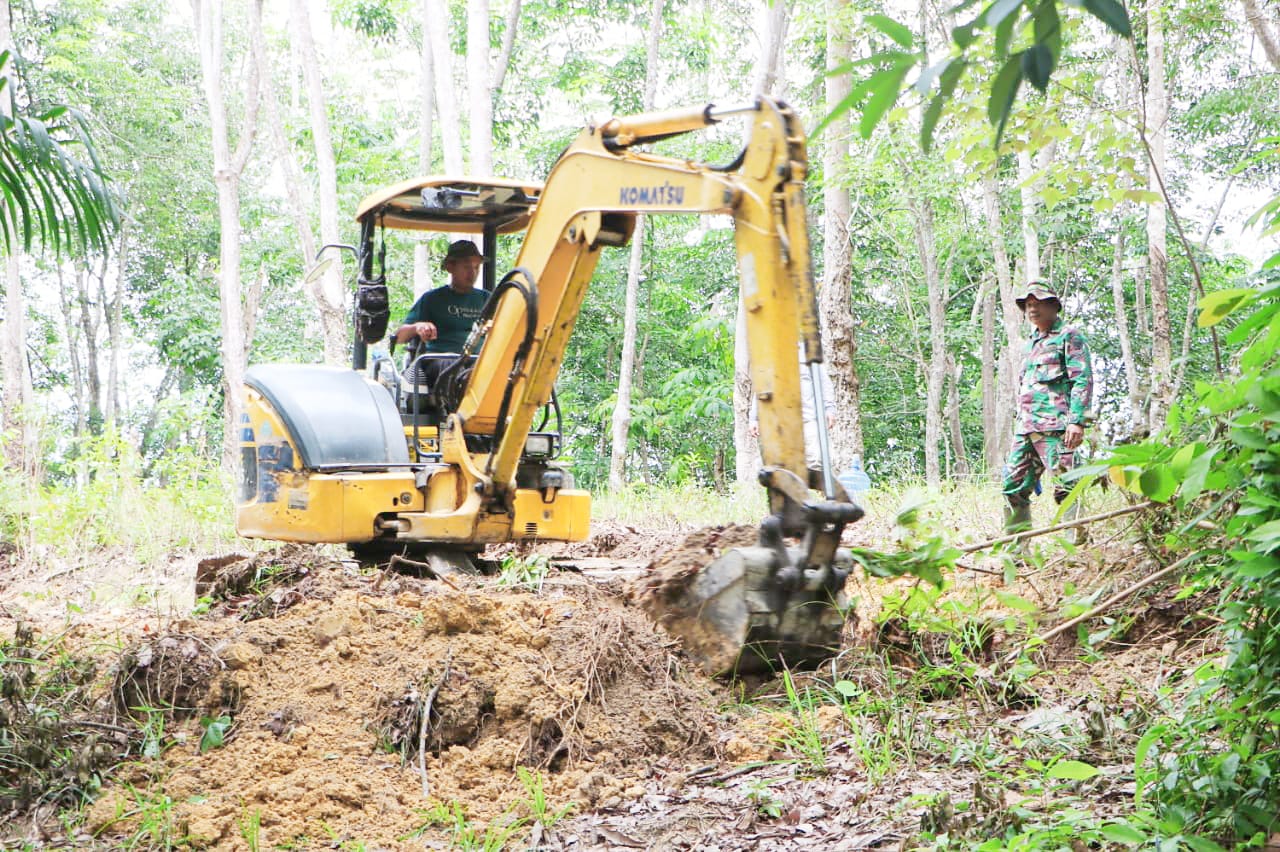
(426, 330)
(1073, 436)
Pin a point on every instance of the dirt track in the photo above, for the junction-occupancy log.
(326, 669)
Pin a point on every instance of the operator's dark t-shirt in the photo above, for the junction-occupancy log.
(452, 312)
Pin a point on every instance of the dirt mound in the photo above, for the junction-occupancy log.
(329, 697)
(668, 575)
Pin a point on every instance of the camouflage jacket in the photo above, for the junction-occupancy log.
(1057, 381)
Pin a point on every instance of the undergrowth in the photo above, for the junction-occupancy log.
(111, 501)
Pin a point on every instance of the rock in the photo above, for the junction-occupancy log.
(343, 646)
(329, 627)
(240, 655)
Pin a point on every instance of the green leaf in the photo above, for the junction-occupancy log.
(1120, 832)
(885, 87)
(946, 85)
(963, 35)
(891, 28)
(998, 11)
(1037, 65)
(846, 688)
(1003, 92)
(215, 732)
(1217, 306)
(1072, 770)
(1158, 483)
(1016, 603)
(1111, 13)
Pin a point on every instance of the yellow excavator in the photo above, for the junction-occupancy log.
(381, 458)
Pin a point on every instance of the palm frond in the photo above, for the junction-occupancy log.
(53, 189)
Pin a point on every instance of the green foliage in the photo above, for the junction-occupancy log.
(50, 194)
(525, 571)
(1032, 25)
(1217, 466)
(802, 736)
(215, 730)
(463, 833)
(108, 502)
(536, 799)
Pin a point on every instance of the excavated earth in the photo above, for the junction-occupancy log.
(368, 708)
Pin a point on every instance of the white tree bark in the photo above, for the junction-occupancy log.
(227, 169)
(422, 279)
(621, 423)
(332, 306)
(1157, 117)
(1122, 330)
(113, 311)
(1009, 360)
(1267, 32)
(435, 17)
(479, 95)
(936, 373)
(17, 432)
(839, 334)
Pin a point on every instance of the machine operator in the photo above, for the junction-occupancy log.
(442, 318)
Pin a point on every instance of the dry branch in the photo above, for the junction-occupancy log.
(1104, 606)
(1078, 522)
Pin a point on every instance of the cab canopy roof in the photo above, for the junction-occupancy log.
(453, 204)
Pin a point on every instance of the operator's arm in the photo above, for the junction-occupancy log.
(417, 323)
(1080, 377)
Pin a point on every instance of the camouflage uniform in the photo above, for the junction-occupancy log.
(1054, 393)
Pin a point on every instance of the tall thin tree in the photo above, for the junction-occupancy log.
(839, 332)
(228, 166)
(621, 424)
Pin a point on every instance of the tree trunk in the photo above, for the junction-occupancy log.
(478, 91)
(1263, 29)
(622, 410)
(73, 309)
(427, 104)
(771, 80)
(839, 333)
(1157, 117)
(113, 311)
(936, 373)
(435, 20)
(1122, 330)
(16, 430)
(954, 371)
(333, 313)
(89, 330)
(990, 432)
(227, 169)
(1010, 356)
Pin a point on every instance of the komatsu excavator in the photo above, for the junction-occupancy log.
(382, 458)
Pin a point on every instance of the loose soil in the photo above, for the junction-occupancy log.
(361, 699)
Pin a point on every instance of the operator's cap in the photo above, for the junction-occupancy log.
(459, 249)
(1041, 292)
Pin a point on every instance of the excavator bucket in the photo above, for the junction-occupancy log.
(753, 608)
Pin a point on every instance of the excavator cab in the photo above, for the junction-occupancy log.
(452, 453)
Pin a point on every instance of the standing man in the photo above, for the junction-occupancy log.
(1053, 397)
(442, 318)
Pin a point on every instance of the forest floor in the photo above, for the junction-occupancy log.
(276, 702)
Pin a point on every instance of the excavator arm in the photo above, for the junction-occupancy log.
(590, 200)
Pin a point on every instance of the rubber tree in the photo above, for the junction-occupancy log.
(228, 167)
(621, 420)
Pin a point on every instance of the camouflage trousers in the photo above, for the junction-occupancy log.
(1032, 454)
